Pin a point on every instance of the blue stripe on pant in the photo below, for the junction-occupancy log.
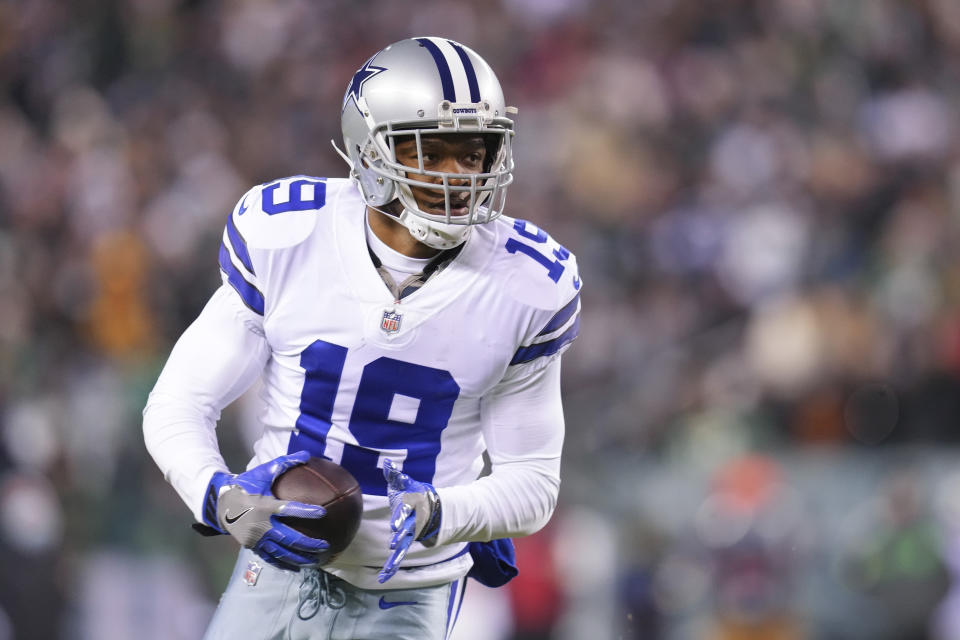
(458, 589)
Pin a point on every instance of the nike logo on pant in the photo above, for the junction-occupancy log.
(389, 605)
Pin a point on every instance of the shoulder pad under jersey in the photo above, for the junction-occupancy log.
(281, 213)
(541, 274)
(537, 270)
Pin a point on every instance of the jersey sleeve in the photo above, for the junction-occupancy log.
(523, 428)
(216, 359)
(554, 338)
(554, 318)
(268, 218)
(522, 415)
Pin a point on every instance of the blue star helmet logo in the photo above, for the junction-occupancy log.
(363, 74)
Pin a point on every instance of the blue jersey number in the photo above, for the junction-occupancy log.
(430, 391)
(317, 189)
(554, 267)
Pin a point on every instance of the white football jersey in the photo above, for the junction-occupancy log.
(356, 376)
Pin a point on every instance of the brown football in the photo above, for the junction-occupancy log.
(320, 481)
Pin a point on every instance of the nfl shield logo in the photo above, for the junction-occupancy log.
(252, 573)
(391, 321)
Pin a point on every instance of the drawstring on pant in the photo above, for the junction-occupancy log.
(316, 590)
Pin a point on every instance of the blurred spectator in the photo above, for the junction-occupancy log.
(750, 524)
(896, 558)
(536, 595)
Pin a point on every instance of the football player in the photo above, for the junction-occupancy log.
(401, 325)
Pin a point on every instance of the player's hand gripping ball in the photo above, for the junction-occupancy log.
(293, 511)
(322, 482)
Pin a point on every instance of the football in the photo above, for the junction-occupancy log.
(325, 483)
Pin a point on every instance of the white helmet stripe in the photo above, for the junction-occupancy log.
(458, 71)
(470, 71)
(443, 67)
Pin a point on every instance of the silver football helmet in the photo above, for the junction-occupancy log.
(419, 87)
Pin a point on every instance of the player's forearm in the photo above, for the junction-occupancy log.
(213, 362)
(183, 443)
(523, 430)
(516, 500)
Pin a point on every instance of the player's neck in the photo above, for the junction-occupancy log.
(395, 235)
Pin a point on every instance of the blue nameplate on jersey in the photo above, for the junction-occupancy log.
(390, 323)
(252, 573)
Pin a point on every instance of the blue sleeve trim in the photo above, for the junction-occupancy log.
(239, 245)
(210, 507)
(251, 296)
(562, 316)
(548, 348)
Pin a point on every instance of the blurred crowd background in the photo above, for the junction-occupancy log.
(763, 408)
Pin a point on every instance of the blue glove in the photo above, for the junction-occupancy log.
(414, 515)
(244, 507)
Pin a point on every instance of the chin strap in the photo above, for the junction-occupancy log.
(437, 235)
(345, 157)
